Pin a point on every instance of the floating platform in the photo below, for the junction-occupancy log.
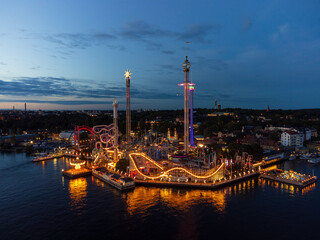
(289, 177)
(75, 173)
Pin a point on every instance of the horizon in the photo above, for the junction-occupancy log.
(148, 109)
(58, 55)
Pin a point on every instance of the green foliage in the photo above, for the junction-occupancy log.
(122, 165)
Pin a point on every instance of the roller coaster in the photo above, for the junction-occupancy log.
(138, 161)
(148, 156)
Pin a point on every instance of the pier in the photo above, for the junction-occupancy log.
(289, 177)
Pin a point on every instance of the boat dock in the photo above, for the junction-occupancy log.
(289, 177)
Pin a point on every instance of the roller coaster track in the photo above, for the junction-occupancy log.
(165, 173)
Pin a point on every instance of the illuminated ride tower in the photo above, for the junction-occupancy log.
(128, 112)
(191, 89)
(115, 123)
(186, 67)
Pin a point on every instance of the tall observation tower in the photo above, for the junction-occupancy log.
(186, 67)
(191, 89)
(115, 123)
(128, 112)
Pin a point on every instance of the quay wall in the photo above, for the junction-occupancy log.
(216, 185)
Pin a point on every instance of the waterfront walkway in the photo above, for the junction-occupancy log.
(202, 185)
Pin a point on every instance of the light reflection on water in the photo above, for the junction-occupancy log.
(78, 193)
(35, 193)
(141, 199)
(292, 190)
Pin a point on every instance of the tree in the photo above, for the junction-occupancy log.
(122, 165)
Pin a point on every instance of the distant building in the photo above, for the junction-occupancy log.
(247, 129)
(216, 114)
(66, 134)
(314, 132)
(307, 134)
(173, 138)
(292, 138)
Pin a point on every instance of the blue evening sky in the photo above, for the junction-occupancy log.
(73, 54)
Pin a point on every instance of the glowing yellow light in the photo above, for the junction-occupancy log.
(77, 165)
(127, 74)
(170, 170)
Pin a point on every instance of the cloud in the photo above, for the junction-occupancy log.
(48, 87)
(170, 67)
(168, 52)
(282, 30)
(2, 63)
(80, 40)
(214, 64)
(35, 68)
(198, 33)
(139, 30)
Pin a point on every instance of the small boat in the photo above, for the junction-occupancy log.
(115, 180)
(43, 157)
(313, 160)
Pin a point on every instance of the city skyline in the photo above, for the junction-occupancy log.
(73, 55)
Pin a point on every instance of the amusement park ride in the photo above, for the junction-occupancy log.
(153, 157)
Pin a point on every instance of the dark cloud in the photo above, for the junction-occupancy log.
(198, 33)
(61, 87)
(80, 40)
(168, 52)
(118, 47)
(2, 63)
(215, 64)
(139, 30)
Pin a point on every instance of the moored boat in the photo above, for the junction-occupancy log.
(42, 157)
(115, 180)
(314, 160)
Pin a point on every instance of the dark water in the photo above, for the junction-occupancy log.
(36, 202)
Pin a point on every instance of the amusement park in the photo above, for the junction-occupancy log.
(124, 160)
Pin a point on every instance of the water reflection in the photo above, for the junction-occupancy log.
(78, 193)
(143, 198)
(286, 188)
(97, 182)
